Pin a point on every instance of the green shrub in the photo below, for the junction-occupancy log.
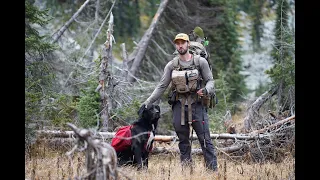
(88, 106)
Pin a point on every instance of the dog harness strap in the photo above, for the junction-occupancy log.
(183, 101)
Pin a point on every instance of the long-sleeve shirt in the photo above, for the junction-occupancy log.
(166, 78)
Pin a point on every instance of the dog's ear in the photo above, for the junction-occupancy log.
(141, 109)
(157, 107)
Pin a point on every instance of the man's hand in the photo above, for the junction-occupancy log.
(202, 92)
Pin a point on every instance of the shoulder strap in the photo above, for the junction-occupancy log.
(196, 59)
(175, 62)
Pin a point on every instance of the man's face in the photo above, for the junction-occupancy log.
(181, 46)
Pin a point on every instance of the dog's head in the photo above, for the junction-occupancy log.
(149, 113)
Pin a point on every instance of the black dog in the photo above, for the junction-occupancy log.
(141, 130)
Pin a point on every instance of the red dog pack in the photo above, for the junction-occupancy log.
(119, 143)
(122, 139)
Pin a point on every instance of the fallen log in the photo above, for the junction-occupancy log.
(67, 142)
(198, 151)
(160, 138)
(273, 125)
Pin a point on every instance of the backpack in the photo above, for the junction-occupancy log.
(122, 139)
(118, 142)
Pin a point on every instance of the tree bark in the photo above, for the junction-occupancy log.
(143, 43)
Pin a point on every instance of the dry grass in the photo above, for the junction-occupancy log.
(49, 164)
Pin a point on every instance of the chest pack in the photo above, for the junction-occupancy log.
(186, 79)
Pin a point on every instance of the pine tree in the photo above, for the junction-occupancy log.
(225, 52)
(254, 9)
(282, 73)
(38, 76)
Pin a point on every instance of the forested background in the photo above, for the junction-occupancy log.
(251, 45)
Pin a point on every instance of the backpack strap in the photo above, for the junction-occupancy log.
(175, 63)
(196, 59)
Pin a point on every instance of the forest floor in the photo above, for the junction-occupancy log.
(55, 164)
(51, 162)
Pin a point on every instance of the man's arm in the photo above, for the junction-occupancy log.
(162, 86)
(207, 75)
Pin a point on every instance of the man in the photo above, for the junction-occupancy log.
(189, 112)
(197, 43)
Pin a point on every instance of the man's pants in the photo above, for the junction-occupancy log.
(199, 114)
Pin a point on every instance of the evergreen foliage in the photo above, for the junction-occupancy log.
(257, 29)
(282, 73)
(127, 18)
(35, 45)
(89, 106)
(62, 110)
(255, 10)
(127, 113)
(223, 92)
(38, 76)
(225, 49)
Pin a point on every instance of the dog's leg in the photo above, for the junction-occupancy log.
(137, 151)
(145, 159)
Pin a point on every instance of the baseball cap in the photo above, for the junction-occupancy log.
(182, 36)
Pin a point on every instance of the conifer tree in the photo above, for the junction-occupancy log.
(282, 73)
(225, 52)
(38, 76)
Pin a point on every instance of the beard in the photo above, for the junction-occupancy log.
(183, 51)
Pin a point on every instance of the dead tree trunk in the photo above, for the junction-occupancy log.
(101, 158)
(253, 111)
(103, 75)
(138, 54)
(124, 55)
(58, 34)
